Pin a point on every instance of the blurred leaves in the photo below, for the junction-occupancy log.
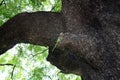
(9, 8)
(57, 6)
(28, 62)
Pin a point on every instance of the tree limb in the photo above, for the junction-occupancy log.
(41, 28)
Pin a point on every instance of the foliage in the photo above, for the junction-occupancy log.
(9, 8)
(27, 61)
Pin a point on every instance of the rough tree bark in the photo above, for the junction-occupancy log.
(92, 44)
(90, 39)
(41, 28)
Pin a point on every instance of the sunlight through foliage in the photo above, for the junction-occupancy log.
(28, 62)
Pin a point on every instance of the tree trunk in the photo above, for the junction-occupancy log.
(91, 47)
(89, 40)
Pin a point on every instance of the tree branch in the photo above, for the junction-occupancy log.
(41, 28)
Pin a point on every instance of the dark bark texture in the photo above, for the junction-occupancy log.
(41, 28)
(89, 40)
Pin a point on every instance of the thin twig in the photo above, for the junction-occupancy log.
(40, 52)
(12, 73)
(48, 76)
(7, 64)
